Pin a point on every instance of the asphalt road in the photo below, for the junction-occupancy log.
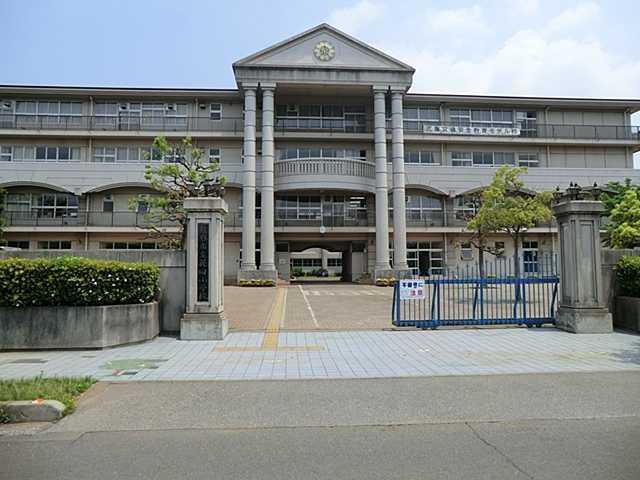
(552, 426)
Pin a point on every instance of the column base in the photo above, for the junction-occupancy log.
(584, 320)
(260, 275)
(383, 273)
(203, 326)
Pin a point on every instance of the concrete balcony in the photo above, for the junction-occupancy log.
(325, 173)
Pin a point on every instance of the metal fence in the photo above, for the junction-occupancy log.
(504, 292)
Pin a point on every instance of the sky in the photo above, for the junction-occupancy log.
(578, 48)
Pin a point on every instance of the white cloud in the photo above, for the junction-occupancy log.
(463, 21)
(353, 19)
(574, 18)
(523, 7)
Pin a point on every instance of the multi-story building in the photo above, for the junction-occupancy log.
(322, 148)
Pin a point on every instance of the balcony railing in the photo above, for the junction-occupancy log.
(531, 130)
(82, 218)
(132, 123)
(325, 166)
(234, 219)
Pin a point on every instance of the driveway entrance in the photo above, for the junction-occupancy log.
(310, 306)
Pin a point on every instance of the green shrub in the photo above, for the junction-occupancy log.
(70, 281)
(628, 276)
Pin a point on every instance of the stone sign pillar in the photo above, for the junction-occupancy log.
(204, 316)
(582, 300)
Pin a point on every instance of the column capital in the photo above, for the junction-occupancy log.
(398, 92)
(380, 88)
(267, 86)
(249, 87)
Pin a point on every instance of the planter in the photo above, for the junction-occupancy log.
(627, 313)
(77, 327)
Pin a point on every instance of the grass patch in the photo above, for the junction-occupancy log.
(63, 389)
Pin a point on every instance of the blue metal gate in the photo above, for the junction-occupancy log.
(500, 294)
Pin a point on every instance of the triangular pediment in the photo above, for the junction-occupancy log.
(323, 47)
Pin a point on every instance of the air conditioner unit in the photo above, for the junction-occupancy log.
(170, 106)
(6, 104)
(124, 106)
(203, 106)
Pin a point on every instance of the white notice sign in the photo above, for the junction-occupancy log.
(411, 289)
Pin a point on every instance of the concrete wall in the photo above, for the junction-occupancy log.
(77, 327)
(172, 275)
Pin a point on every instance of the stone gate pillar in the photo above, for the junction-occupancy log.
(582, 300)
(204, 316)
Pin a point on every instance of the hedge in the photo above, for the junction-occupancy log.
(72, 281)
(628, 276)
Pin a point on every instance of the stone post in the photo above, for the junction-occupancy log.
(204, 316)
(267, 237)
(382, 268)
(582, 300)
(400, 265)
(249, 187)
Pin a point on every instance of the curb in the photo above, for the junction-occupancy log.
(33, 410)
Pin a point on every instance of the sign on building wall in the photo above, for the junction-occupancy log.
(412, 289)
(461, 130)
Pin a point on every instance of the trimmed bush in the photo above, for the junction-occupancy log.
(72, 281)
(628, 276)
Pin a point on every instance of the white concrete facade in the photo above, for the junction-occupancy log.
(323, 147)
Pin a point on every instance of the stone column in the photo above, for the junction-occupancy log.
(382, 268)
(582, 301)
(204, 316)
(267, 238)
(249, 186)
(399, 208)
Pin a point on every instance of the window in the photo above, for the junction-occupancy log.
(52, 154)
(462, 159)
(481, 117)
(54, 245)
(464, 206)
(22, 244)
(334, 262)
(306, 262)
(214, 155)
(528, 160)
(415, 117)
(107, 203)
(530, 256)
(425, 257)
(498, 248)
(466, 251)
(350, 118)
(482, 159)
(6, 154)
(527, 122)
(422, 207)
(104, 154)
(142, 207)
(421, 157)
(297, 153)
(298, 208)
(215, 111)
(129, 245)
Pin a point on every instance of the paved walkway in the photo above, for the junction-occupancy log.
(353, 354)
(311, 306)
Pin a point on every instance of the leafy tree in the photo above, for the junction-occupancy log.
(621, 198)
(186, 174)
(624, 229)
(507, 207)
(615, 192)
(482, 224)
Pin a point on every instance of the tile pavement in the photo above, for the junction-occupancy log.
(342, 354)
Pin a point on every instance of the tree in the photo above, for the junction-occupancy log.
(185, 174)
(624, 228)
(507, 207)
(482, 224)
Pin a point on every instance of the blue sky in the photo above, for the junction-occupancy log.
(535, 47)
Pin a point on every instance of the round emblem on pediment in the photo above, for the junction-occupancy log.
(324, 51)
